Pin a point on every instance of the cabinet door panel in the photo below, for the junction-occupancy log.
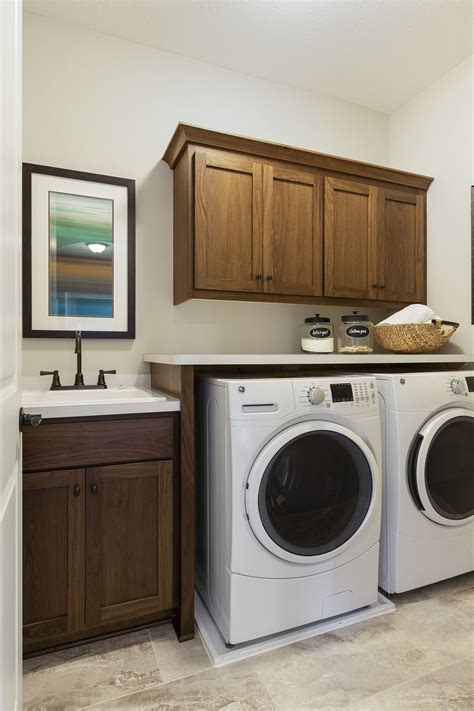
(349, 240)
(53, 553)
(292, 231)
(400, 246)
(228, 229)
(129, 540)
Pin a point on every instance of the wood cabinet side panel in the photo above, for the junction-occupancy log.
(183, 244)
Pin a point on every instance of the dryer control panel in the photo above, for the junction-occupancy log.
(340, 394)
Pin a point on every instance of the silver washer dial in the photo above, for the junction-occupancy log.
(458, 386)
(316, 396)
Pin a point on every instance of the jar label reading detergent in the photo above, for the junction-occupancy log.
(320, 332)
(357, 331)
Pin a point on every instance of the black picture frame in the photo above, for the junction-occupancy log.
(30, 169)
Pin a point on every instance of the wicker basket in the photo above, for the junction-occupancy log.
(414, 337)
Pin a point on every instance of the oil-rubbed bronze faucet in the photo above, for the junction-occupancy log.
(79, 379)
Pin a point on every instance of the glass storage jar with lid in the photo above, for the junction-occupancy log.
(317, 335)
(355, 334)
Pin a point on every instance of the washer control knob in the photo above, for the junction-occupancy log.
(458, 386)
(316, 396)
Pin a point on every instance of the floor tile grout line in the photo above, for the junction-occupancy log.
(154, 650)
(159, 685)
(410, 681)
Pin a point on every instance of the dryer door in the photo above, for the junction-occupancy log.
(310, 491)
(441, 469)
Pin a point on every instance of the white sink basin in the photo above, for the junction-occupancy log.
(83, 403)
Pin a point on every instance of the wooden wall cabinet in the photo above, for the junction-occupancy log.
(373, 242)
(99, 542)
(257, 227)
(265, 222)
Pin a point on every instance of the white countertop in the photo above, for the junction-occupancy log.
(301, 358)
(87, 403)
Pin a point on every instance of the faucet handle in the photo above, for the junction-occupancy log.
(101, 379)
(56, 381)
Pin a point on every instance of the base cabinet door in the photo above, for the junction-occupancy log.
(401, 254)
(53, 554)
(129, 541)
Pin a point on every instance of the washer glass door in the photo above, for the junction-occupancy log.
(310, 490)
(442, 479)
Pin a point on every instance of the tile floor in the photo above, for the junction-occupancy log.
(420, 657)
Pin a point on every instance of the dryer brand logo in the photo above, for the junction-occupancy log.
(320, 332)
(357, 331)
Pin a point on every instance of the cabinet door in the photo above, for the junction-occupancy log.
(349, 239)
(53, 553)
(292, 232)
(400, 246)
(129, 541)
(228, 227)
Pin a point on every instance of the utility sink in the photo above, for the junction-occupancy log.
(109, 401)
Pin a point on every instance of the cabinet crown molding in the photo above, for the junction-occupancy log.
(186, 134)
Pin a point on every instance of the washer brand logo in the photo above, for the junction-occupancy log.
(320, 332)
(357, 331)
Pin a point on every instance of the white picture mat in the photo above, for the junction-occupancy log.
(41, 185)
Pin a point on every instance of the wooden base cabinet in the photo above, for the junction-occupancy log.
(264, 222)
(99, 543)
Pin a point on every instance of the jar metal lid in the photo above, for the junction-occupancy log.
(355, 317)
(317, 319)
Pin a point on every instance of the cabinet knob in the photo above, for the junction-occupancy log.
(32, 420)
(94, 489)
(374, 285)
(77, 490)
(259, 275)
(269, 277)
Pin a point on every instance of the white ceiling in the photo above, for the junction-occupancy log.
(378, 53)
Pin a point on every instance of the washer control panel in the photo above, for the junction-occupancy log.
(341, 394)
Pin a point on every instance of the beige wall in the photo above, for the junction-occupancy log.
(433, 134)
(100, 104)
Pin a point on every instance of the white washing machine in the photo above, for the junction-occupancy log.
(428, 463)
(289, 501)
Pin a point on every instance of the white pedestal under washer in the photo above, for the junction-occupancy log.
(289, 500)
(428, 464)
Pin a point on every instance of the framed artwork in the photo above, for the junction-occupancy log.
(78, 254)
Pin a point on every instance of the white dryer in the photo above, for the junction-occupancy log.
(428, 463)
(289, 501)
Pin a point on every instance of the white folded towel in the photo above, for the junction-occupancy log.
(415, 313)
